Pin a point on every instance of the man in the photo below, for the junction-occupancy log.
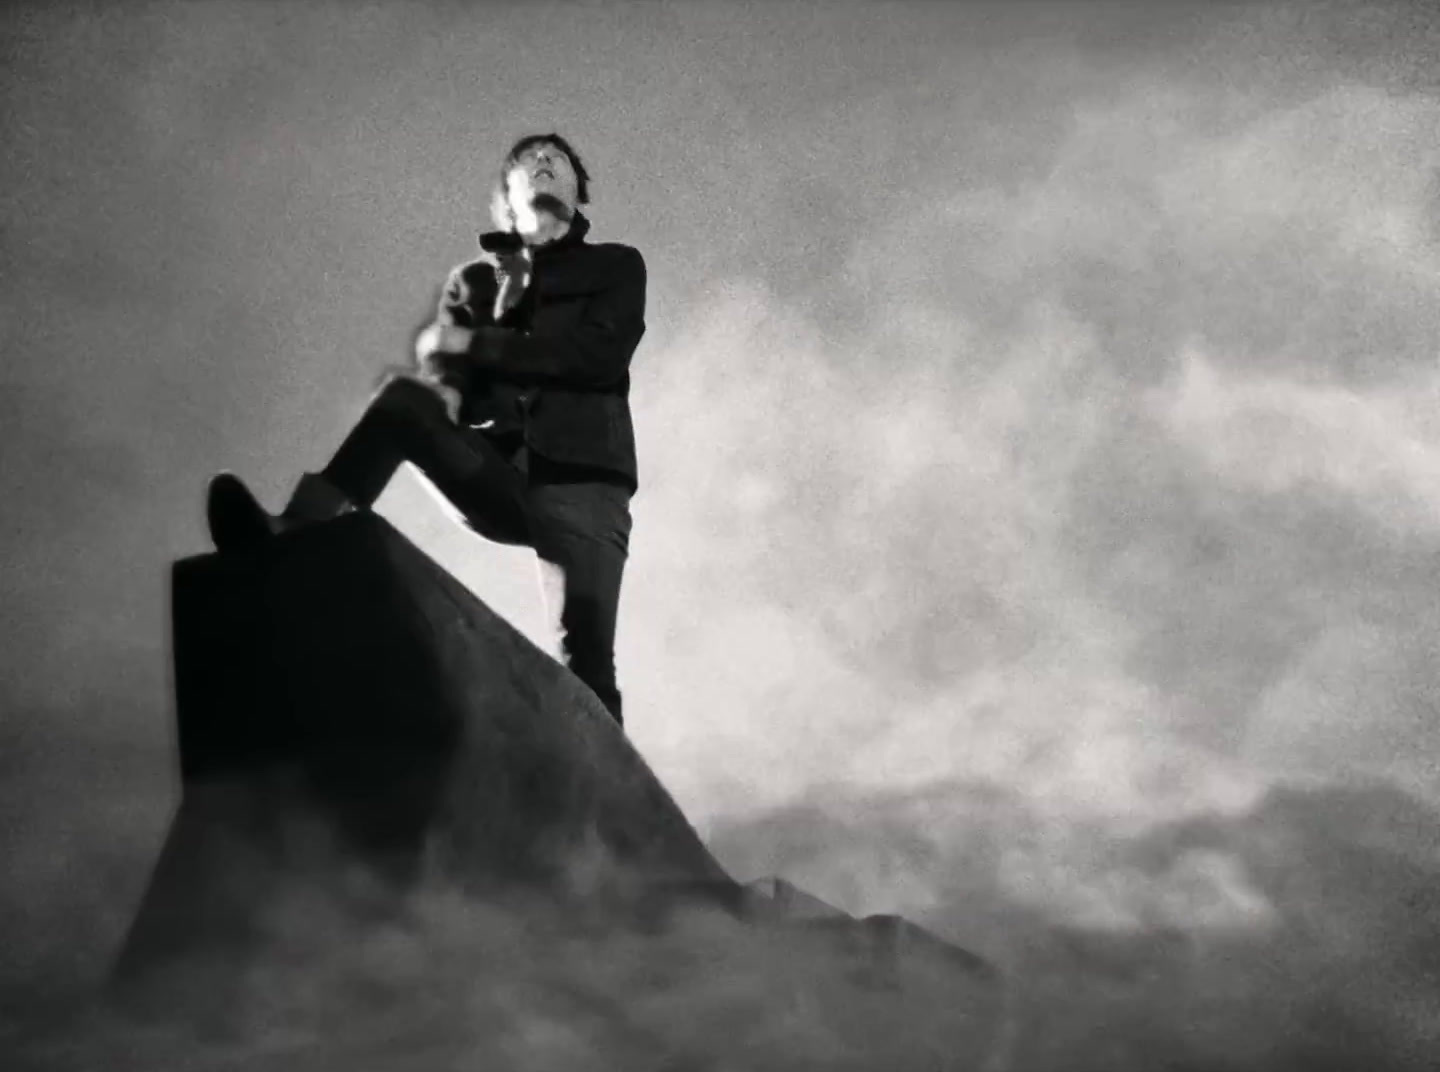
(517, 411)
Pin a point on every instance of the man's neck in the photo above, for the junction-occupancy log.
(548, 228)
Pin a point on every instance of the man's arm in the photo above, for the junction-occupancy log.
(595, 353)
(455, 318)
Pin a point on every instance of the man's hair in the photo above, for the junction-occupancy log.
(500, 205)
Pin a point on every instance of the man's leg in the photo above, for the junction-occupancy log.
(407, 422)
(581, 533)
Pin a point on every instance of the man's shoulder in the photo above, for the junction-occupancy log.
(613, 249)
(615, 255)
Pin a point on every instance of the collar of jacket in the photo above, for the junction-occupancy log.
(579, 227)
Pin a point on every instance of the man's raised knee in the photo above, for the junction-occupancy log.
(406, 394)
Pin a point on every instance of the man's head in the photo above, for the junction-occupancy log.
(540, 173)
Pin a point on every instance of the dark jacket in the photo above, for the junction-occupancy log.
(556, 368)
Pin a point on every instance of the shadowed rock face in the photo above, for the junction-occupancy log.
(401, 816)
(341, 697)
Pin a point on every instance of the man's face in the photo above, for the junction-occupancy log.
(543, 171)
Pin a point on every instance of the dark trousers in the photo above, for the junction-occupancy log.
(577, 519)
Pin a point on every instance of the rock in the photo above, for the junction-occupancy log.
(399, 814)
(340, 697)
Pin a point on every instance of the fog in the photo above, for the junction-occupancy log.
(1037, 417)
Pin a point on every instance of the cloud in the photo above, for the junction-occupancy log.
(1109, 448)
(1375, 451)
(1282, 933)
(336, 973)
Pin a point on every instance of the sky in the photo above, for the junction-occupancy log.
(1037, 414)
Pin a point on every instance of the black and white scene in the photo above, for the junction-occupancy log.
(711, 536)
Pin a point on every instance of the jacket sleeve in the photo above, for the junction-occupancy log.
(594, 353)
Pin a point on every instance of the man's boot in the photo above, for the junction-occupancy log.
(238, 521)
